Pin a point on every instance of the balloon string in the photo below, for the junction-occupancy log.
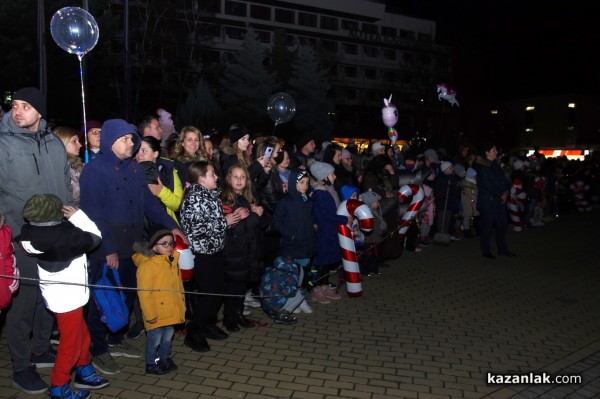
(86, 152)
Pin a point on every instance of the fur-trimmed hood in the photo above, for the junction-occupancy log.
(142, 247)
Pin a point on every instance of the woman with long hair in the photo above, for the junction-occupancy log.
(188, 149)
(70, 138)
(242, 248)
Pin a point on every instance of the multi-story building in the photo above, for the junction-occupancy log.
(371, 52)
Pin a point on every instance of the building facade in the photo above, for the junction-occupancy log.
(371, 52)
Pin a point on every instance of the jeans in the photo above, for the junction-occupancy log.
(293, 303)
(158, 343)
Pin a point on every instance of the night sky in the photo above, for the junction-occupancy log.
(504, 49)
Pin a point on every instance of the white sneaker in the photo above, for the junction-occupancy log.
(305, 307)
(251, 301)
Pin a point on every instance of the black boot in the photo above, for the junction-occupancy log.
(230, 323)
(242, 320)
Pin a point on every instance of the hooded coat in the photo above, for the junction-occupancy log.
(163, 298)
(293, 220)
(61, 251)
(30, 163)
(115, 195)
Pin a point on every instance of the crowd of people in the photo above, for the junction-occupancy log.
(258, 213)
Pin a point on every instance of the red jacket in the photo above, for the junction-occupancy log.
(8, 269)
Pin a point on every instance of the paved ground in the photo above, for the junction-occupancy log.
(431, 326)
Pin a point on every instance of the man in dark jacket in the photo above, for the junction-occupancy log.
(492, 193)
(116, 197)
(32, 161)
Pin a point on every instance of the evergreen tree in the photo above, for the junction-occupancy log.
(282, 59)
(200, 108)
(247, 85)
(309, 86)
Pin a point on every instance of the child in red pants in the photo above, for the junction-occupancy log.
(60, 247)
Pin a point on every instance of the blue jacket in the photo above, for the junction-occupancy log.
(114, 194)
(293, 220)
(324, 212)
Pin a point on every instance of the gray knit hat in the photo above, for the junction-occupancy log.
(42, 208)
(320, 170)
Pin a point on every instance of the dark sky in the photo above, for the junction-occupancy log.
(514, 49)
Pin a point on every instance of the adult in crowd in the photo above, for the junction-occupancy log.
(32, 161)
(70, 138)
(333, 156)
(447, 197)
(492, 194)
(116, 197)
(151, 127)
(189, 148)
(161, 175)
(305, 148)
(93, 139)
(238, 152)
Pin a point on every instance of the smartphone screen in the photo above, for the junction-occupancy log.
(268, 152)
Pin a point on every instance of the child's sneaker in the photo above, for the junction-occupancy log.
(65, 392)
(86, 377)
(303, 308)
(168, 365)
(319, 296)
(284, 318)
(156, 369)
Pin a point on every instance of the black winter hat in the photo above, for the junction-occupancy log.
(34, 97)
(156, 233)
(43, 208)
(236, 132)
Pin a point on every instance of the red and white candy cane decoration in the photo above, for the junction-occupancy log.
(515, 202)
(186, 259)
(418, 195)
(349, 259)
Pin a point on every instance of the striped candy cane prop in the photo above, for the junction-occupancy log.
(515, 201)
(349, 259)
(186, 259)
(418, 195)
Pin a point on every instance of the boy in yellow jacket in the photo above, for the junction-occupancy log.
(161, 297)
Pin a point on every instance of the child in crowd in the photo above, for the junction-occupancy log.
(241, 250)
(8, 265)
(293, 220)
(468, 195)
(204, 224)
(61, 248)
(324, 211)
(371, 254)
(161, 297)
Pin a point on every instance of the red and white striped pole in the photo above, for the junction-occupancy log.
(349, 259)
(418, 195)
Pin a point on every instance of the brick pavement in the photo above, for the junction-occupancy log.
(431, 326)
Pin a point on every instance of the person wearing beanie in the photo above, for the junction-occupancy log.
(445, 165)
(377, 148)
(294, 221)
(93, 138)
(372, 258)
(459, 170)
(61, 248)
(324, 211)
(115, 195)
(163, 301)
(23, 130)
(238, 153)
(305, 148)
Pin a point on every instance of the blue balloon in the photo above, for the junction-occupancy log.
(75, 30)
(281, 107)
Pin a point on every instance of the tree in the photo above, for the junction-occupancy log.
(309, 86)
(200, 107)
(282, 59)
(247, 84)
